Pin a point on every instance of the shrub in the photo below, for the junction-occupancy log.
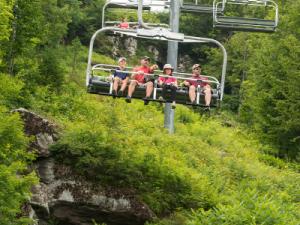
(14, 183)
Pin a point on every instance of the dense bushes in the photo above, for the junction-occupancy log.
(262, 82)
(10, 89)
(14, 186)
(203, 166)
(115, 155)
(214, 169)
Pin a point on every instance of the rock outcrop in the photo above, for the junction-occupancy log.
(121, 44)
(185, 64)
(44, 132)
(65, 198)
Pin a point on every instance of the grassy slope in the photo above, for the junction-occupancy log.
(204, 165)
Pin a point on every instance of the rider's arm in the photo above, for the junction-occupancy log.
(160, 81)
(175, 83)
(153, 67)
(135, 72)
(186, 83)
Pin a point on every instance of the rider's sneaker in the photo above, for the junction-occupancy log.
(128, 99)
(114, 94)
(207, 108)
(146, 100)
(120, 93)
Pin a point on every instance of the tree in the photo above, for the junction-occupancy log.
(271, 93)
(6, 15)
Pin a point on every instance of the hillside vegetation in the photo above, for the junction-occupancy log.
(239, 166)
(204, 165)
(211, 164)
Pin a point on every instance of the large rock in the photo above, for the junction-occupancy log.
(43, 131)
(67, 198)
(70, 199)
(185, 64)
(155, 53)
(131, 45)
(123, 44)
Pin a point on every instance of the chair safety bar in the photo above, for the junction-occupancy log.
(112, 23)
(211, 79)
(108, 67)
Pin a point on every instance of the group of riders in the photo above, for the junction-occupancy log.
(166, 81)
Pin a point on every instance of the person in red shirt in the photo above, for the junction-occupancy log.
(169, 82)
(140, 79)
(124, 24)
(198, 80)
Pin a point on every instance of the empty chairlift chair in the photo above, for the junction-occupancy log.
(199, 6)
(246, 15)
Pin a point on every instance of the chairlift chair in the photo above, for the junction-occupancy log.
(227, 21)
(119, 5)
(130, 4)
(103, 86)
(199, 6)
(125, 4)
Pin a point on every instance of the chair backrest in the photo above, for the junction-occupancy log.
(247, 15)
(199, 6)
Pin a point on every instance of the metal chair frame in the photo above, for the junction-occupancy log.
(199, 7)
(103, 85)
(243, 23)
(129, 5)
(157, 34)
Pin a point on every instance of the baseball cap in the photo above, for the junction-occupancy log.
(146, 58)
(168, 66)
(121, 59)
(196, 66)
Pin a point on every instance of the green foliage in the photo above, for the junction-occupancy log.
(262, 82)
(113, 162)
(204, 165)
(10, 89)
(216, 167)
(52, 73)
(5, 17)
(86, 17)
(95, 223)
(14, 183)
(13, 142)
(275, 113)
(31, 53)
(253, 209)
(177, 218)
